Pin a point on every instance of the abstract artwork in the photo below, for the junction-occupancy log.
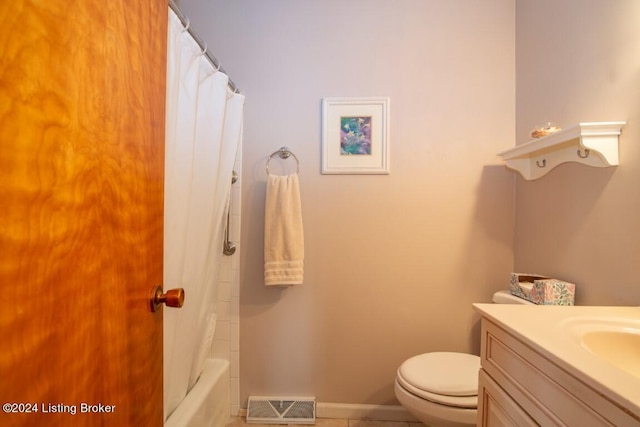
(355, 136)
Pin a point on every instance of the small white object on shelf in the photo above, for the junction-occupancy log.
(593, 144)
(540, 132)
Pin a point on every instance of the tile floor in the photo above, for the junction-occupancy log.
(331, 422)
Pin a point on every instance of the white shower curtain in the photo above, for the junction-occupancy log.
(203, 131)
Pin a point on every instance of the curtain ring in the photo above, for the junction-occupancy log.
(204, 51)
(186, 27)
(544, 163)
(585, 155)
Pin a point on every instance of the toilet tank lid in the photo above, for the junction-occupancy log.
(505, 297)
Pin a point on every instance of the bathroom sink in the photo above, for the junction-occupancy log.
(620, 348)
(614, 340)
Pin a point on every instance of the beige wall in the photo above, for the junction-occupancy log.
(393, 262)
(579, 61)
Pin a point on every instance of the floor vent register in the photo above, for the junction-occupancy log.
(281, 410)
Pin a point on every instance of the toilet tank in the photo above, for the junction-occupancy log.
(505, 297)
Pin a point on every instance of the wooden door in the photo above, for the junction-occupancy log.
(82, 92)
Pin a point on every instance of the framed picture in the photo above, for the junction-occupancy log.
(355, 136)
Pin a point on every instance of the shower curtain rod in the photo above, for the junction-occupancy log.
(203, 45)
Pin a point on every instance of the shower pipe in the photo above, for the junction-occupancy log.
(201, 43)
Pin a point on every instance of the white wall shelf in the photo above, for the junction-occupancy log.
(592, 144)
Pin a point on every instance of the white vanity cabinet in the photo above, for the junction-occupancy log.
(520, 386)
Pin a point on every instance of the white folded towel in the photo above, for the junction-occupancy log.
(283, 235)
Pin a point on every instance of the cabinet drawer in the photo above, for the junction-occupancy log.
(545, 391)
(496, 408)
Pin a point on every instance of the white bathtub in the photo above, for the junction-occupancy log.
(208, 402)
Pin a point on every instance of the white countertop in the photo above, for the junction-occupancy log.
(553, 331)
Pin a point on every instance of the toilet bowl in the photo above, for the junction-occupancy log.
(441, 388)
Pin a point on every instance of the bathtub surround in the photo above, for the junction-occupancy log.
(226, 341)
(394, 262)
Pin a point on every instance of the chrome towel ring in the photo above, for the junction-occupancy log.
(284, 153)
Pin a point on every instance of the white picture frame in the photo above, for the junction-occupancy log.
(355, 135)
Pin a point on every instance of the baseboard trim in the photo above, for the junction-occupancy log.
(363, 412)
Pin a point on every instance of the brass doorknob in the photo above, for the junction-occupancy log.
(173, 298)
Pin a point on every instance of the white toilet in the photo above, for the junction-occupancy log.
(441, 389)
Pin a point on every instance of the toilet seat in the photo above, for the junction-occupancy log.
(443, 377)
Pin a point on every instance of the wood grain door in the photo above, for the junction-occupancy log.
(82, 92)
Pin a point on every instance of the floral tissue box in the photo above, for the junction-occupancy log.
(542, 290)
